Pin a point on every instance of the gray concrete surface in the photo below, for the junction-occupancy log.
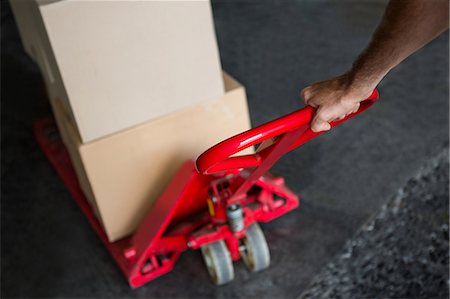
(400, 253)
(274, 48)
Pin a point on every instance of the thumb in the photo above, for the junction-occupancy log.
(320, 120)
(319, 125)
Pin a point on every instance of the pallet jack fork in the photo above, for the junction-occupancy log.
(214, 204)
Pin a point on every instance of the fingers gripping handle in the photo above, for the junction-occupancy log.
(218, 158)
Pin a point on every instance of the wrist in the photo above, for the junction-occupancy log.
(360, 86)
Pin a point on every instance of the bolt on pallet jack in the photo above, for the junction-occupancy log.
(213, 205)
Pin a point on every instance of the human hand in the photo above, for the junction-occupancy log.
(334, 100)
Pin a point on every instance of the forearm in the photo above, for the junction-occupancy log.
(407, 26)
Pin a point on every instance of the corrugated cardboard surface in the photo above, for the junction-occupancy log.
(37, 45)
(127, 171)
(123, 63)
(71, 140)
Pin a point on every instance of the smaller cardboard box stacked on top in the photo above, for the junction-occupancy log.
(136, 89)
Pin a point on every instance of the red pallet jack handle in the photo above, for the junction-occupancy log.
(276, 137)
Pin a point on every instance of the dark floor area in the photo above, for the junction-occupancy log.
(403, 251)
(275, 48)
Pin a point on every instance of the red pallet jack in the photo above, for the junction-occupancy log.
(214, 204)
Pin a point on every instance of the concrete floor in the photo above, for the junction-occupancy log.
(403, 251)
(274, 48)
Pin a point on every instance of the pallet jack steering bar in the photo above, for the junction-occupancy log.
(276, 138)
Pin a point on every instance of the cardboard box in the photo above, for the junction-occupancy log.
(117, 64)
(124, 173)
(72, 141)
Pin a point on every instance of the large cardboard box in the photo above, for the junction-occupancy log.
(124, 173)
(117, 64)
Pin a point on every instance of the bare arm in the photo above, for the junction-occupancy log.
(407, 26)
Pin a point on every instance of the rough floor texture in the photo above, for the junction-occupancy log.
(274, 48)
(403, 252)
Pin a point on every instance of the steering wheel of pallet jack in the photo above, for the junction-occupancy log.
(255, 251)
(220, 159)
(218, 262)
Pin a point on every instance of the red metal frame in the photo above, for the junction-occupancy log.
(191, 212)
(218, 158)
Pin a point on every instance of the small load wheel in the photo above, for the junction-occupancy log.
(255, 251)
(218, 262)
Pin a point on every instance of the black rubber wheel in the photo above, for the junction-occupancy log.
(218, 262)
(255, 251)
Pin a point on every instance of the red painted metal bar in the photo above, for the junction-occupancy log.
(160, 215)
(270, 156)
(218, 158)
